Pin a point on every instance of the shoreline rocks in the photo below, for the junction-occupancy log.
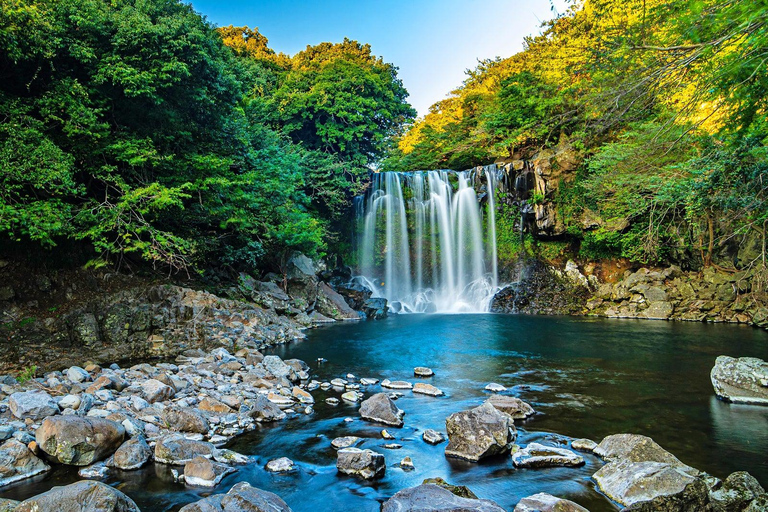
(741, 381)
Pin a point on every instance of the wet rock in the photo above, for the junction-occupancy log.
(132, 454)
(427, 389)
(34, 405)
(513, 406)
(629, 483)
(480, 432)
(743, 380)
(366, 464)
(544, 502)
(433, 436)
(345, 442)
(281, 465)
(332, 304)
(17, 462)
(375, 308)
(737, 492)
(202, 472)
(83, 496)
(423, 371)
(396, 384)
(495, 388)
(185, 419)
(262, 410)
(351, 396)
(302, 396)
(584, 445)
(79, 441)
(462, 491)
(386, 435)
(433, 498)
(637, 448)
(381, 409)
(240, 498)
(156, 391)
(96, 471)
(537, 455)
(7, 505)
(178, 450)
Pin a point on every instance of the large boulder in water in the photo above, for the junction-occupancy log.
(132, 454)
(17, 462)
(637, 448)
(381, 409)
(83, 496)
(544, 502)
(363, 463)
(177, 449)
(353, 292)
(516, 408)
(433, 498)
(478, 433)
(79, 441)
(743, 380)
(240, 498)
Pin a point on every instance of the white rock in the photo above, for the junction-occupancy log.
(77, 374)
(495, 388)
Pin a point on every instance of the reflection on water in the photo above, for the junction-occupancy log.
(585, 377)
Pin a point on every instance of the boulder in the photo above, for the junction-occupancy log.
(462, 491)
(668, 487)
(433, 436)
(516, 408)
(202, 472)
(584, 445)
(353, 292)
(7, 505)
(262, 410)
(743, 380)
(83, 496)
(380, 408)
(185, 419)
(344, 442)
(737, 492)
(478, 433)
(132, 454)
(17, 462)
(637, 448)
(433, 498)
(375, 308)
(79, 441)
(363, 463)
(178, 450)
(240, 498)
(537, 455)
(156, 391)
(34, 405)
(281, 465)
(333, 305)
(544, 502)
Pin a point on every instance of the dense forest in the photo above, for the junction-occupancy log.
(665, 101)
(149, 135)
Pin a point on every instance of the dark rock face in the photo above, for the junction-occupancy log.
(83, 496)
(478, 433)
(543, 502)
(743, 380)
(333, 305)
(353, 292)
(539, 290)
(240, 498)
(380, 408)
(79, 441)
(375, 309)
(433, 498)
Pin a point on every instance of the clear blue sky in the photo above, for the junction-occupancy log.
(432, 41)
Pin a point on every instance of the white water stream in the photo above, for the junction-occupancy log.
(427, 240)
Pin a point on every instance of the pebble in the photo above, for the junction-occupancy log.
(433, 436)
(407, 464)
(393, 446)
(495, 388)
(281, 465)
(332, 401)
(423, 371)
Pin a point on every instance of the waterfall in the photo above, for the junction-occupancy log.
(427, 239)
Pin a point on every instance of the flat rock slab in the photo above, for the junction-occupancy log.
(511, 405)
(742, 381)
(480, 432)
(427, 389)
(537, 455)
(240, 498)
(345, 442)
(423, 371)
(544, 502)
(433, 498)
(396, 384)
(380, 408)
(584, 445)
(365, 464)
(83, 496)
(637, 448)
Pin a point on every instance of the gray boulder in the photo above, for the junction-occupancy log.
(737, 492)
(240, 498)
(333, 305)
(742, 381)
(664, 485)
(278, 368)
(511, 405)
(185, 419)
(433, 498)
(17, 462)
(156, 391)
(7, 505)
(375, 308)
(83, 496)
(34, 405)
(637, 448)
(544, 502)
(380, 408)
(478, 433)
(132, 454)
(202, 472)
(262, 410)
(178, 450)
(537, 455)
(79, 441)
(363, 463)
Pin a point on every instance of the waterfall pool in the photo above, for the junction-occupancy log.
(585, 378)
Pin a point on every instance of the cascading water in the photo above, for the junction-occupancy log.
(427, 239)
